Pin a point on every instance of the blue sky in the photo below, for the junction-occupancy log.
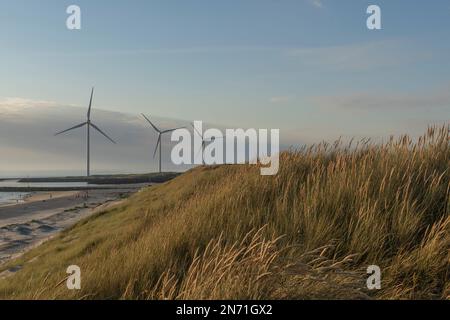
(308, 67)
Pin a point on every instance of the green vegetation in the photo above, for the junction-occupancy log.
(227, 232)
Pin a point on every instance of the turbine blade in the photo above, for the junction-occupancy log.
(195, 129)
(90, 104)
(201, 149)
(170, 130)
(76, 127)
(148, 120)
(104, 134)
(157, 144)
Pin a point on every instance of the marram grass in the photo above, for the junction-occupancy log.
(225, 232)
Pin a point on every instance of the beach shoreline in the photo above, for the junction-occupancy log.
(42, 215)
(36, 196)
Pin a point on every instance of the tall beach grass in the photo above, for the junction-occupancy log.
(225, 232)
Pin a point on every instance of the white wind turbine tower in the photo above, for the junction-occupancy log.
(204, 141)
(159, 144)
(88, 125)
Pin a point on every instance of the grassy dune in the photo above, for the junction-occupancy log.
(227, 232)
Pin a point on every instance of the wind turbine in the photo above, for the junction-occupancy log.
(204, 141)
(159, 144)
(88, 124)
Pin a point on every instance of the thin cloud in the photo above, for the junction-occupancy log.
(346, 57)
(434, 99)
(14, 104)
(28, 143)
(360, 56)
(316, 3)
(231, 49)
(280, 99)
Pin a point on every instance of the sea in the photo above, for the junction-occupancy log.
(18, 197)
(11, 197)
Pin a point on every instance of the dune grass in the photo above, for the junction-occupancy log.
(225, 232)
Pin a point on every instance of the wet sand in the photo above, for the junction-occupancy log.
(44, 214)
(39, 196)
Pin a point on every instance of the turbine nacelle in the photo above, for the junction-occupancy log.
(204, 140)
(160, 133)
(89, 124)
(92, 125)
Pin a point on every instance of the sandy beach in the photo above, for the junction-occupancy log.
(44, 214)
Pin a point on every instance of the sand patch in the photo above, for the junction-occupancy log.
(27, 225)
